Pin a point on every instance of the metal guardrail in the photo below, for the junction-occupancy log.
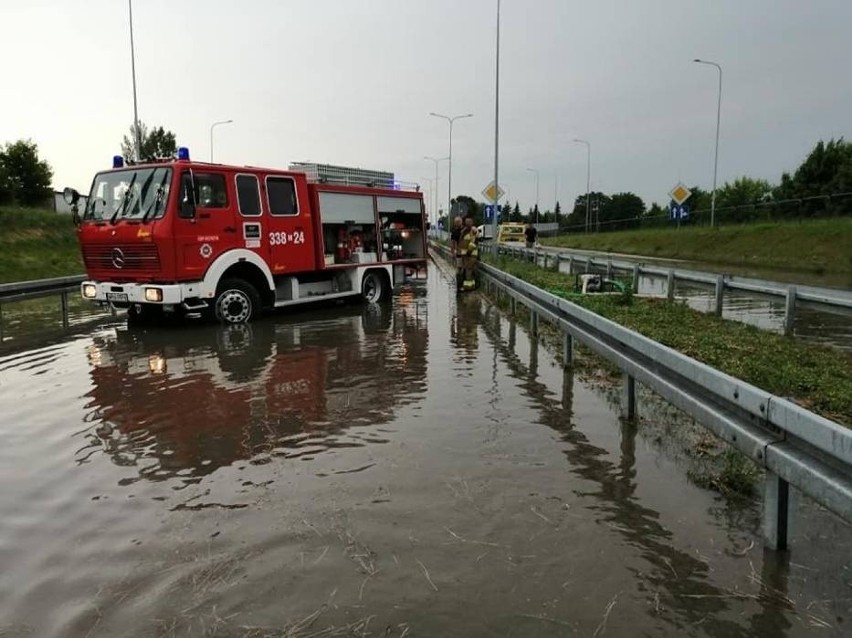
(21, 290)
(833, 297)
(795, 446)
(18, 290)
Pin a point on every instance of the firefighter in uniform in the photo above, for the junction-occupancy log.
(469, 253)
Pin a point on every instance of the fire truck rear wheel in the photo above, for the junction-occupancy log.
(374, 287)
(237, 301)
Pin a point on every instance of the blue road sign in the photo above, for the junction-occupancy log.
(679, 212)
(489, 211)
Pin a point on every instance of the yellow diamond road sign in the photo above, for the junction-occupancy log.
(680, 193)
(488, 192)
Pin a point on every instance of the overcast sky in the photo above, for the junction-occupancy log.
(352, 83)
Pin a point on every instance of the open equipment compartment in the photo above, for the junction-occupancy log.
(401, 225)
(348, 228)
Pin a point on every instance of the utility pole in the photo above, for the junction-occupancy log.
(133, 72)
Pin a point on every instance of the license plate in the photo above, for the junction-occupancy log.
(117, 296)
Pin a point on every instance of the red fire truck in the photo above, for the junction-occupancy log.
(229, 241)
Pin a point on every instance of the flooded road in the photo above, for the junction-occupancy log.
(418, 469)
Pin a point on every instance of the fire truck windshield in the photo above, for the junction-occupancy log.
(139, 194)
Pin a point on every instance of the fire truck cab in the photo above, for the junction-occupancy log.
(230, 241)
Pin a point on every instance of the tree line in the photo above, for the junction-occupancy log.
(820, 186)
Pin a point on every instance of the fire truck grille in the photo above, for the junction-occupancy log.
(123, 257)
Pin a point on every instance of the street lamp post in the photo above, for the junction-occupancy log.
(497, 130)
(133, 72)
(435, 198)
(212, 126)
(430, 197)
(588, 178)
(536, 192)
(716, 157)
(450, 158)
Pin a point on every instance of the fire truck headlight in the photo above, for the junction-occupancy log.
(154, 294)
(156, 364)
(90, 291)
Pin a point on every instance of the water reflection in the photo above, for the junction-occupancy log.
(187, 402)
(675, 580)
(464, 326)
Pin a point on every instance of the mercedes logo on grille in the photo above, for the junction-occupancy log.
(117, 258)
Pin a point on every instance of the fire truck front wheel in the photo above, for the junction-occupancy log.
(237, 301)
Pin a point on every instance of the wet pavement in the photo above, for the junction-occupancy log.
(415, 469)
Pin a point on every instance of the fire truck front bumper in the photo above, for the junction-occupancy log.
(123, 295)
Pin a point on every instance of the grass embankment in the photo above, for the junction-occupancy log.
(35, 244)
(817, 378)
(817, 246)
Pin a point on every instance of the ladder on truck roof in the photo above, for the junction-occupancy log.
(345, 175)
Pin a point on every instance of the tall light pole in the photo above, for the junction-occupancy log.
(430, 197)
(212, 126)
(556, 199)
(588, 178)
(536, 192)
(496, 130)
(450, 158)
(133, 72)
(716, 158)
(435, 198)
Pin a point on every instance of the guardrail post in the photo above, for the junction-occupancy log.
(533, 323)
(513, 305)
(588, 264)
(635, 278)
(570, 264)
(568, 391)
(567, 349)
(64, 302)
(720, 292)
(628, 401)
(546, 260)
(670, 285)
(609, 268)
(790, 311)
(777, 513)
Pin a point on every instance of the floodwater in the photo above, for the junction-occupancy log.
(812, 323)
(416, 469)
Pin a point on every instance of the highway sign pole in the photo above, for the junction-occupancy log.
(496, 128)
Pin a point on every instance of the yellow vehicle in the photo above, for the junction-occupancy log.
(511, 233)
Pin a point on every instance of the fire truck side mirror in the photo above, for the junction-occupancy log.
(71, 196)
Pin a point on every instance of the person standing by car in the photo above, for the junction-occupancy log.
(530, 233)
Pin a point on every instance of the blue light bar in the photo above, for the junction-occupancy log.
(117, 161)
(183, 153)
